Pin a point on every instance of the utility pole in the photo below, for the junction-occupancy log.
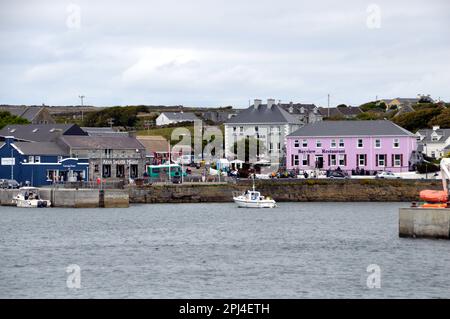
(81, 98)
(328, 104)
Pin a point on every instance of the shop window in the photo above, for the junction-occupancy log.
(106, 171)
(120, 170)
(133, 171)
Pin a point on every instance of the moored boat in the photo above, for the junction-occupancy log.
(254, 199)
(29, 197)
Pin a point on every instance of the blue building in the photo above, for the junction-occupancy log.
(40, 163)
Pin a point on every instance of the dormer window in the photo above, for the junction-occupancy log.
(435, 137)
(12, 130)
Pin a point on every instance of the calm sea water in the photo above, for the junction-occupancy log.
(298, 250)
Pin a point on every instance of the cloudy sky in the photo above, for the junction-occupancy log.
(213, 53)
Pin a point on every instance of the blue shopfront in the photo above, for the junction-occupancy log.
(40, 163)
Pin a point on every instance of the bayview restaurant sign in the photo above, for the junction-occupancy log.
(322, 151)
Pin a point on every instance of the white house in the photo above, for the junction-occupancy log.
(166, 118)
(269, 123)
(432, 142)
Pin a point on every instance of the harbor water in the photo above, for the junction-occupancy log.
(297, 250)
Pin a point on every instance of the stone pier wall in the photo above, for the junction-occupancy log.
(424, 223)
(289, 190)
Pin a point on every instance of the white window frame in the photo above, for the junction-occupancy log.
(30, 159)
(305, 160)
(37, 159)
(343, 143)
(318, 143)
(399, 160)
(357, 143)
(304, 143)
(396, 141)
(341, 157)
(379, 141)
(379, 160)
(296, 143)
(333, 143)
(362, 160)
(333, 160)
(296, 160)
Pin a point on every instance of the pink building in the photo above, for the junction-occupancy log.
(352, 146)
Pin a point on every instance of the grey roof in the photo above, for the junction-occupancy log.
(263, 114)
(103, 131)
(26, 112)
(40, 148)
(296, 107)
(352, 128)
(101, 142)
(407, 100)
(181, 116)
(343, 111)
(40, 132)
(445, 133)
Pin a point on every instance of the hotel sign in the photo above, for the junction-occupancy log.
(119, 162)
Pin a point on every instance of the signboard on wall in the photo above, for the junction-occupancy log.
(8, 161)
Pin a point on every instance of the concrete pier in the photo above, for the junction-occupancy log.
(75, 198)
(424, 223)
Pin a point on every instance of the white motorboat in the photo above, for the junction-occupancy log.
(29, 197)
(254, 199)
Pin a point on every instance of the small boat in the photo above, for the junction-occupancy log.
(29, 197)
(253, 199)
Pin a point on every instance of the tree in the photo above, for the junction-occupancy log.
(122, 116)
(443, 119)
(244, 143)
(373, 106)
(7, 118)
(416, 120)
(368, 116)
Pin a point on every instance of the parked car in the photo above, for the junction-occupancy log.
(10, 183)
(337, 175)
(387, 175)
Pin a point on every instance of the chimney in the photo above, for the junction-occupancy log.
(256, 103)
(436, 127)
(270, 103)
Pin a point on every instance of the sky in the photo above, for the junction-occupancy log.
(218, 53)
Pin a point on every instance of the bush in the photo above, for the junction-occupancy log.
(424, 167)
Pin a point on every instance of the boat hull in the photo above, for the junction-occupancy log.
(255, 203)
(33, 203)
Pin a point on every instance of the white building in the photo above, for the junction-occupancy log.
(166, 118)
(269, 123)
(432, 142)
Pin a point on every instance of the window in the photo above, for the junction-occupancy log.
(305, 143)
(377, 143)
(360, 143)
(60, 158)
(30, 159)
(396, 143)
(106, 171)
(270, 147)
(133, 171)
(332, 160)
(397, 160)
(37, 159)
(296, 143)
(381, 160)
(362, 159)
(241, 129)
(305, 160)
(296, 161)
(52, 175)
(256, 129)
(108, 152)
(279, 146)
(333, 144)
(434, 138)
(234, 129)
(341, 143)
(342, 160)
(120, 170)
(433, 154)
(96, 168)
(318, 143)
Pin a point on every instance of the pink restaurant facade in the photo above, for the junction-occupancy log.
(371, 150)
